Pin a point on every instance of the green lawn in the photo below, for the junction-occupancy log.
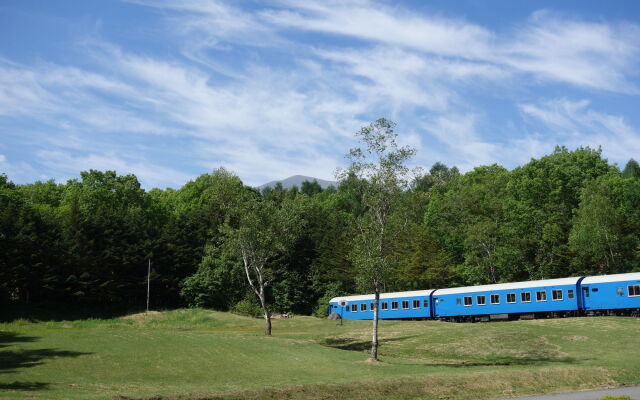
(205, 354)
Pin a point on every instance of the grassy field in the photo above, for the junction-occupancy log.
(201, 354)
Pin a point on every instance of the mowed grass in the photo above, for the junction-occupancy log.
(201, 354)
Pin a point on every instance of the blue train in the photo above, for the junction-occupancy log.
(591, 295)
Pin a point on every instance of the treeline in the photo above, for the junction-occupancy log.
(89, 240)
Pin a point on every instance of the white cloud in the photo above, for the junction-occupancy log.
(19, 171)
(464, 146)
(552, 47)
(148, 173)
(573, 124)
(68, 97)
(378, 23)
(592, 55)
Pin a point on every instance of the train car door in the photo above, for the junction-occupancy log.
(434, 306)
(585, 297)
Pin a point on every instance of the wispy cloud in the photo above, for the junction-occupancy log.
(383, 24)
(574, 123)
(593, 55)
(150, 174)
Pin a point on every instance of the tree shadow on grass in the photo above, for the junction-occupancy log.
(498, 362)
(358, 345)
(352, 344)
(52, 311)
(8, 338)
(30, 386)
(11, 361)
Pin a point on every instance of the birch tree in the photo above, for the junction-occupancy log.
(259, 232)
(380, 166)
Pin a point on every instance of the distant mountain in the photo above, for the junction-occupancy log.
(297, 180)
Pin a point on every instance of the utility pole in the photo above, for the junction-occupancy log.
(148, 283)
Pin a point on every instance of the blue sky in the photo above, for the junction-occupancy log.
(168, 90)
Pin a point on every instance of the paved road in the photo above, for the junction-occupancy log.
(631, 391)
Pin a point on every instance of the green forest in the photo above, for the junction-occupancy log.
(88, 241)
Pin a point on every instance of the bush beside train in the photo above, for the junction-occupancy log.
(593, 295)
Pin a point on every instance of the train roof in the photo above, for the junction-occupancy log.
(633, 276)
(414, 293)
(510, 285)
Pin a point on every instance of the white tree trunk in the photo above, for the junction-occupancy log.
(374, 339)
(266, 313)
(258, 289)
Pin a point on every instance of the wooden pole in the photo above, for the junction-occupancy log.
(148, 283)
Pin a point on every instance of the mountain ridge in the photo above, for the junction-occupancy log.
(296, 180)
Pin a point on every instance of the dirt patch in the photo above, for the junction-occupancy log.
(143, 316)
(281, 316)
(371, 361)
(576, 338)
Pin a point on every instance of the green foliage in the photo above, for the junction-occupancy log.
(322, 305)
(615, 398)
(547, 193)
(248, 306)
(604, 236)
(217, 283)
(310, 188)
(422, 261)
(631, 170)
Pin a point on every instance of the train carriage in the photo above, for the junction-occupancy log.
(611, 292)
(508, 300)
(405, 305)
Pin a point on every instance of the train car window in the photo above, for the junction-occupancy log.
(458, 301)
(405, 304)
(495, 299)
(354, 308)
(634, 290)
(416, 304)
(468, 301)
(511, 298)
(394, 305)
(620, 291)
(425, 303)
(481, 300)
(385, 305)
(556, 295)
(570, 293)
(363, 307)
(371, 306)
(541, 296)
(525, 297)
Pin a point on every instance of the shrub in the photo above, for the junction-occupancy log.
(322, 307)
(214, 285)
(248, 306)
